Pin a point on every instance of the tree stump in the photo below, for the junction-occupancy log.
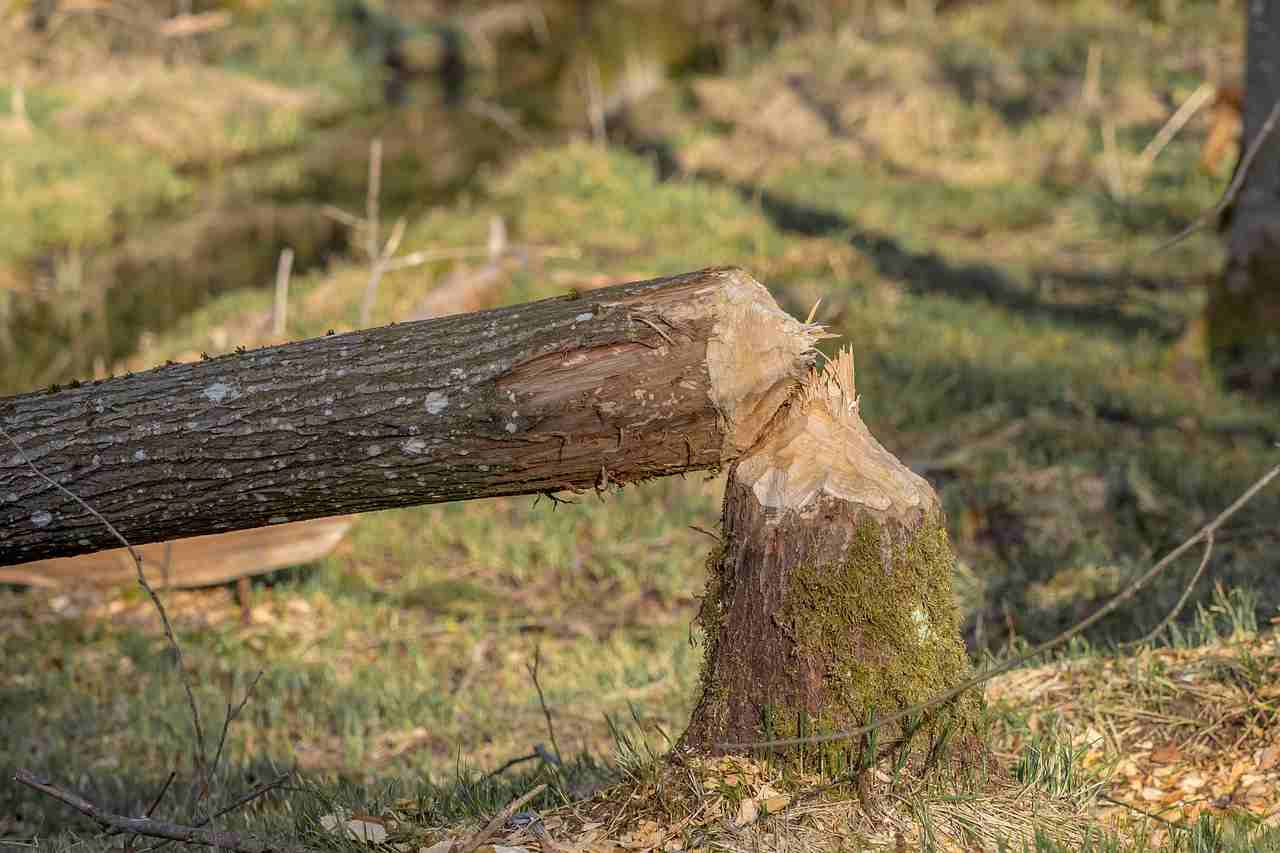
(829, 601)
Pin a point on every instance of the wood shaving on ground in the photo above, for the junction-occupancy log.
(1176, 732)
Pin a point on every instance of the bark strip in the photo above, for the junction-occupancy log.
(622, 384)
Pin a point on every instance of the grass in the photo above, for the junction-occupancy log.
(1177, 737)
(58, 189)
(954, 205)
(117, 171)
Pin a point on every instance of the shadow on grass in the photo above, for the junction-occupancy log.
(289, 811)
(1013, 528)
(929, 272)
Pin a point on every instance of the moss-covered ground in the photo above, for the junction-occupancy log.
(966, 192)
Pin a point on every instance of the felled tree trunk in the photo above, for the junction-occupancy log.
(1243, 312)
(830, 601)
(622, 384)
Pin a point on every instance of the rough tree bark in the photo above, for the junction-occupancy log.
(1243, 313)
(830, 599)
(630, 382)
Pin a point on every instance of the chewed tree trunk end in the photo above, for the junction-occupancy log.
(830, 601)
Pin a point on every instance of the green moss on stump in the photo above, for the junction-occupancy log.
(891, 638)
(867, 635)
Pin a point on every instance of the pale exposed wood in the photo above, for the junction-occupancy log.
(194, 561)
(618, 385)
(825, 450)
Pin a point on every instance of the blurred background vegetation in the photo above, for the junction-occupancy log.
(968, 186)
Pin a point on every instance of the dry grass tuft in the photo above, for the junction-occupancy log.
(1184, 732)
(190, 114)
(736, 803)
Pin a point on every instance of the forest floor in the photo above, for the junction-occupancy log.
(969, 197)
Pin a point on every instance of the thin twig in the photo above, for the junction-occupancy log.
(546, 712)
(1143, 812)
(156, 828)
(654, 326)
(704, 531)
(378, 268)
(1197, 99)
(539, 831)
(160, 796)
(374, 191)
(426, 256)
(1182, 601)
(977, 680)
(595, 105)
(242, 800)
(155, 599)
(1233, 189)
(499, 820)
(164, 789)
(509, 764)
(232, 713)
(499, 116)
(813, 312)
(280, 308)
(338, 214)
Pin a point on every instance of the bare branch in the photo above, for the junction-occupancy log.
(164, 789)
(546, 712)
(242, 800)
(339, 215)
(499, 820)
(1182, 601)
(512, 762)
(232, 713)
(371, 200)
(156, 828)
(1233, 189)
(155, 599)
(1197, 99)
(705, 532)
(376, 270)
(280, 308)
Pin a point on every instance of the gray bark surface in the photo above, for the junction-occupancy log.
(1244, 307)
(1258, 202)
(569, 393)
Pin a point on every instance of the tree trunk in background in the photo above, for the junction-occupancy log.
(830, 600)
(1243, 315)
(630, 382)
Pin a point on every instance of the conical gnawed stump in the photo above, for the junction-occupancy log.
(830, 601)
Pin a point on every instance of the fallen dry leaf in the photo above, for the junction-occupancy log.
(773, 805)
(363, 828)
